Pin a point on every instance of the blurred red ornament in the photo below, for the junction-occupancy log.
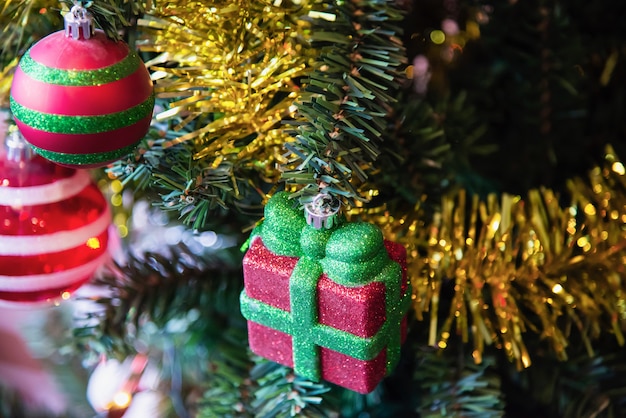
(53, 228)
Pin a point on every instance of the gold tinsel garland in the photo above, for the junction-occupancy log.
(230, 64)
(6, 78)
(518, 265)
(22, 23)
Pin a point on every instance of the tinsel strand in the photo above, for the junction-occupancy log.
(228, 68)
(227, 74)
(521, 265)
(21, 23)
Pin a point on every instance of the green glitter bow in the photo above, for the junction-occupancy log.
(351, 254)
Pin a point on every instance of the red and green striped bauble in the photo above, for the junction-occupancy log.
(82, 102)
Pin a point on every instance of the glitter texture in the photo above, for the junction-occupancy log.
(84, 159)
(313, 242)
(343, 326)
(320, 335)
(268, 281)
(96, 77)
(82, 102)
(283, 226)
(81, 124)
(302, 287)
(358, 375)
(354, 253)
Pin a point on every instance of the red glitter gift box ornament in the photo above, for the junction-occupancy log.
(79, 98)
(328, 299)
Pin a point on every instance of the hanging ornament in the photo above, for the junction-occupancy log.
(128, 389)
(79, 98)
(53, 228)
(328, 299)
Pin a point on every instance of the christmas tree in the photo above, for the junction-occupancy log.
(327, 193)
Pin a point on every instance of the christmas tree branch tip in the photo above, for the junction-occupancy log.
(342, 113)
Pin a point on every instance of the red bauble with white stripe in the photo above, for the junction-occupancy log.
(53, 230)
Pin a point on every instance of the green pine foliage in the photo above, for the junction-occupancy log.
(347, 97)
(180, 295)
(584, 386)
(197, 191)
(280, 393)
(183, 313)
(454, 386)
(592, 386)
(24, 22)
(430, 154)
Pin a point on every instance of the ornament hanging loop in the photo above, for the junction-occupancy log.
(78, 23)
(322, 211)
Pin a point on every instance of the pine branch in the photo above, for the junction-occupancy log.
(342, 114)
(354, 404)
(532, 59)
(227, 74)
(592, 386)
(228, 388)
(429, 152)
(196, 294)
(283, 394)
(181, 310)
(198, 190)
(458, 388)
(24, 22)
(584, 386)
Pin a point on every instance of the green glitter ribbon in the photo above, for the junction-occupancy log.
(81, 124)
(96, 77)
(351, 255)
(85, 159)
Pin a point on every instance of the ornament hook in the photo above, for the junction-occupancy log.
(78, 22)
(17, 148)
(322, 211)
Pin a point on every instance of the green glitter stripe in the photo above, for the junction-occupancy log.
(360, 348)
(303, 300)
(322, 335)
(256, 311)
(61, 77)
(84, 159)
(313, 242)
(394, 312)
(81, 124)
